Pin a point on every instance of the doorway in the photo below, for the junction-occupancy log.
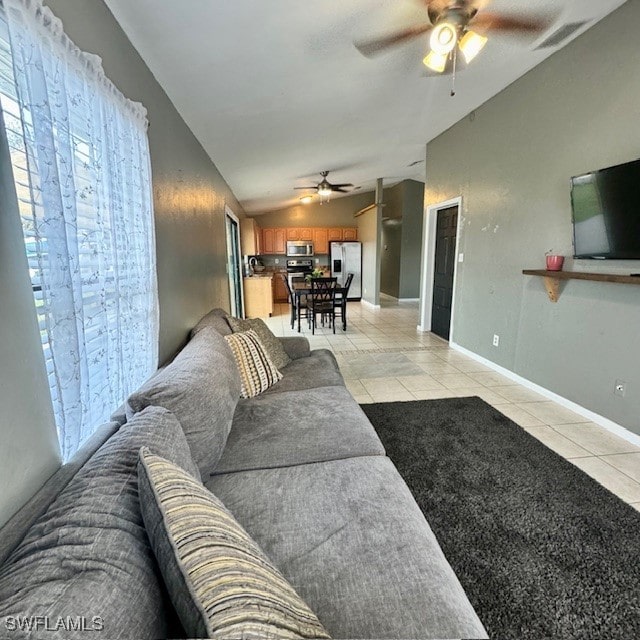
(442, 222)
(234, 266)
(444, 271)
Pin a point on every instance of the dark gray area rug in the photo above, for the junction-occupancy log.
(542, 550)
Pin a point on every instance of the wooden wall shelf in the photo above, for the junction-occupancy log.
(552, 279)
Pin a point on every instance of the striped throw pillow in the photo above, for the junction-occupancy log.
(257, 371)
(220, 582)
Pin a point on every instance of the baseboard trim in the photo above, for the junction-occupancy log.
(369, 304)
(609, 425)
(390, 297)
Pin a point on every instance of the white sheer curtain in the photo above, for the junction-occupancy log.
(81, 164)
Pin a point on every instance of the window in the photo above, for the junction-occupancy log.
(80, 159)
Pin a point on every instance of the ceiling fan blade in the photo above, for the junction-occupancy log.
(344, 184)
(370, 48)
(340, 190)
(315, 186)
(512, 23)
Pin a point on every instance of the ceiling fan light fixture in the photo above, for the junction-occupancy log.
(435, 62)
(444, 38)
(471, 45)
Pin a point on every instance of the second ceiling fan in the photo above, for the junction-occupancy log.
(325, 188)
(452, 24)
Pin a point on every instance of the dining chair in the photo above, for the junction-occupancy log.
(292, 299)
(321, 301)
(300, 302)
(341, 301)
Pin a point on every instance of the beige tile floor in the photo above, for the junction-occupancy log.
(383, 358)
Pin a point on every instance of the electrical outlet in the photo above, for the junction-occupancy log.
(277, 260)
(317, 260)
(461, 257)
(496, 340)
(620, 388)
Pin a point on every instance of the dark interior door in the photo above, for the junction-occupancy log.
(445, 263)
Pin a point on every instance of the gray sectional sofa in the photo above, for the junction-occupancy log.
(299, 466)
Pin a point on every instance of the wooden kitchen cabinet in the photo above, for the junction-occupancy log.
(320, 240)
(274, 241)
(280, 241)
(250, 237)
(280, 293)
(268, 240)
(258, 297)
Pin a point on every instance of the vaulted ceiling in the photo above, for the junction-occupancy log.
(276, 92)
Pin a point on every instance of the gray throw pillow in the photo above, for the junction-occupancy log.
(87, 562)
(270, 341)
(220, 582)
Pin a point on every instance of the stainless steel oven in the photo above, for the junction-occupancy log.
(298, 269)
(299, 248)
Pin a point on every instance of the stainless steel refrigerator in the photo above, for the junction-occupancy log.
(346, 258)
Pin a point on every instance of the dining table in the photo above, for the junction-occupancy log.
(300, 289)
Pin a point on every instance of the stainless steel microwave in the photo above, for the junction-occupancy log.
(299, 248)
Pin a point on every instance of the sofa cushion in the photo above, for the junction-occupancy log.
(297, 427)
(320, 369)
(257, 371)
(201, 387)
(354, 544)
(217, 319)
(296, 346)
(220, 582)
(88, 555)
(269, 341)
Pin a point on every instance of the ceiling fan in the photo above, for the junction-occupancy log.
(450, 24)
(324, 188)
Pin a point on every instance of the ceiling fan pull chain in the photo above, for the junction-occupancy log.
(454, 53)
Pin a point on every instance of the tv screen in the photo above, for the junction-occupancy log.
(606, 213)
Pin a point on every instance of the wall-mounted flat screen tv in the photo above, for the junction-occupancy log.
(606, 213)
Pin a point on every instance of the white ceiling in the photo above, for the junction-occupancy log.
(276, 92)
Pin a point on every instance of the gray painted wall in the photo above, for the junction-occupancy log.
(189, 199)
(189, 192)
(370, 234)
(391, 245)
(391, 249)
(403, 217)
(511, 161)
(411, 251)
(29, 445)
(338, 212)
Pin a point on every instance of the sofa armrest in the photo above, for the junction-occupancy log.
(296, 347)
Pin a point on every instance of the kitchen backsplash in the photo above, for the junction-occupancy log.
(320, 260)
